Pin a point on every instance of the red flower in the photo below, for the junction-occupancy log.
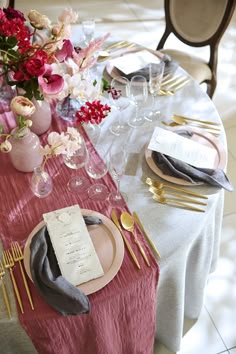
(114, 92)
(35, 66)
(93, 112)
(12, 13)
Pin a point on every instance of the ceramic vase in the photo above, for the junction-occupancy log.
(26, 153)
(42, 118)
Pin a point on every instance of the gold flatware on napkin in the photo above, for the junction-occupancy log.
(127, 222)
(18, 257)
(196, 120)
(4, 291)
(183, 121)
(116, 222)
(176, 203)
(140, 225)
(9, 264)
(109, 51)
(169, 78)
(159, 185)
(207, 129)
(179, 196)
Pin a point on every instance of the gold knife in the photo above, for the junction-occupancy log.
(138, 222)
(116, 222)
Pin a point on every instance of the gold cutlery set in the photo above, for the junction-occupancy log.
(170, 84)
(209, 126)
(176, 196)
(9, 258)
(127, 222)
(111, 49)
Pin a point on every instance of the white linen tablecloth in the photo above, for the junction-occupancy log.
(187, 241)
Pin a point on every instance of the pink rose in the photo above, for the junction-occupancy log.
(22, 106)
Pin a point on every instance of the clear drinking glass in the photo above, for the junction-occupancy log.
(139, 96)
(77, 160)
(88, 30)
(117, 164)
(120, 101)
(96, 168)
(156, 72)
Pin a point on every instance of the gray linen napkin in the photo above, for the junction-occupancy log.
(46, 275)
(170, 68)
(176, 168)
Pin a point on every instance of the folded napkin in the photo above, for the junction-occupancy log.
(170, 68)
(46, 275)
(176, 168)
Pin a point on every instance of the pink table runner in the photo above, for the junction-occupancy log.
(122, 318)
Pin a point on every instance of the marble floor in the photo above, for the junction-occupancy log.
(143, 22)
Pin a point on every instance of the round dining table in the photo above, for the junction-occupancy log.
(187, 241)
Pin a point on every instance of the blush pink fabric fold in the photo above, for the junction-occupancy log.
(123, 313)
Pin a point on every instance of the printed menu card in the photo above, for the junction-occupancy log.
(76, 255)
(181, 148)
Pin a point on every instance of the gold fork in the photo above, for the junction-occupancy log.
(4, 291)
(9, 264)
(18, 257)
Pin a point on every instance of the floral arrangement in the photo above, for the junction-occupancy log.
(23, 108)
(39, 58)
(64, 143)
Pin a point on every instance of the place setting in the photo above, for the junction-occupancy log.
(185, 157)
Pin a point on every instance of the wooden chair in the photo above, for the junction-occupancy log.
(197, 23)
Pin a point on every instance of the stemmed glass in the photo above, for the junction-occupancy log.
(117, 164)
(77, 160)
(139, 96)
(119, 98)
(96, 168)
(88, 30)
(156, 72)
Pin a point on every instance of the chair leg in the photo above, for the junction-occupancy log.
(211, 86)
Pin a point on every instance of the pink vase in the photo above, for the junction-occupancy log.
(26, 153)
(42, 118)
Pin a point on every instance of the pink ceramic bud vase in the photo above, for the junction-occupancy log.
(26, 153)
(42, 118)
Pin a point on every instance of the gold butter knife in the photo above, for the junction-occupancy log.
(140, 225)
(197, 120)
(116, 222)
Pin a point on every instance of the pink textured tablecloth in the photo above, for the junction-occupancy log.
(122, 318)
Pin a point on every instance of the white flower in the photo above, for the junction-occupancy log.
(68, 16)
(5, 146)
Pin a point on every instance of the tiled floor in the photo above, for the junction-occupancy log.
(143, 22)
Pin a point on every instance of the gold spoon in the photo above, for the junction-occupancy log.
(161, 193)
(156, 184)
(127, 222)
(174, 202)
(182, 121)
(196, 120)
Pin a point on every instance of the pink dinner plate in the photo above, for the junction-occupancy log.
(200, 136)
(111, 71)
(108, 244)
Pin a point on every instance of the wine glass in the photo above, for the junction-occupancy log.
(96, 168)
(139, 96)
(117, 164)
(119, 98)
(156, 72)
(76, 160)
(88, 30)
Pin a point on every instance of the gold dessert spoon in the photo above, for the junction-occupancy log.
(174, 202)
(127, 222)
(182, 121)
(180, 197)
